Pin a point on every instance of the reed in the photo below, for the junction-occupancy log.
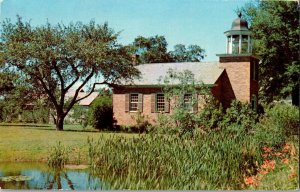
(213, 161)
(58, 156)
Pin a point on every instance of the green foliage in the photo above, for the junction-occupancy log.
(39, 114)
(142, 125)
(279, 123)
(80, 115)
(182, 120)
(58, 156)
(154, 50)
(101, 113)
(155, 161)
(211, 115)
(151, 50)
(275, 29)
(193, 53)
(239, 114)
(52, 59)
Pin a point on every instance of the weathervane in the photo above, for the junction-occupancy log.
(240, 14)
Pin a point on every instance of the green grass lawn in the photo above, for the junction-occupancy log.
(31, 142)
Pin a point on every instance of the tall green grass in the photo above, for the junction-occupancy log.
(213, 161)
(216, 159)
(58, 156)
(279, 124)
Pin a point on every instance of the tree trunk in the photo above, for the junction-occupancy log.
(59, 123)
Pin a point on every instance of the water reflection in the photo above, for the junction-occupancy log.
(42, 177)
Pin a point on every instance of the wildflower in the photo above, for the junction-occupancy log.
(266, 149)
(264, 172)
(264, 166)
(286, 146)
(249, 180)
(267, 164)
(293, 173)
(277, 154)
(264, 155)
(285, 160)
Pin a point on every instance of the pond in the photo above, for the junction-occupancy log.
(40, 176)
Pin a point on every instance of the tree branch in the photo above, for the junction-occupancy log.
(53, 99)
(62, 82)
(74, 99)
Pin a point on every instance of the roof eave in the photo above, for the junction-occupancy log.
(160, 86)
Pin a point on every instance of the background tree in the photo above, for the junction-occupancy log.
(193, 53)
(54, 59)
(152, 49)
(275, 29)
(15, 92)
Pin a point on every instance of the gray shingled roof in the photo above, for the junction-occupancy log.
(206, 72)
(84, 102)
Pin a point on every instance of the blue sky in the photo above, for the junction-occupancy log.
(200, 22)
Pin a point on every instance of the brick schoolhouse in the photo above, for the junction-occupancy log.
(234, 76)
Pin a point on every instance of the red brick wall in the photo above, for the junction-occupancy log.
(234, 83)
(129, 118)
(239, 83)
(238, 79)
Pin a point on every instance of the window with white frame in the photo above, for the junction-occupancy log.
(133, 102)
(188, 102)
(160, 102)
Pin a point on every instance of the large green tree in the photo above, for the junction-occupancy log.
(193, 53)
(275, 29)
(154, 50)
(151, 50)
(55, 59)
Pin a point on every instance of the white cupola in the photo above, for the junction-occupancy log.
(238, 37)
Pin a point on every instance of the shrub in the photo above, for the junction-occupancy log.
(80, 115)
(279, 122)
(211, 115)
(101, 114)
(240, 114)
(141, 123)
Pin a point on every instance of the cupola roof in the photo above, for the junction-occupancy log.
(239, 24)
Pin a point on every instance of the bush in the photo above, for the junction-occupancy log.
(101, 114)
(80, 115)
(278, 124)
(240, 114)
(211, 115)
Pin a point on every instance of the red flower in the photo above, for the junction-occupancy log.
(264, 155)
(249, 180)
(266, 149)
(285, 160)
(277, 154)
(267, 164)
(264, 172)
(286, 148)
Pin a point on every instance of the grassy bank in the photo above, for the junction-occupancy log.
(31, 142)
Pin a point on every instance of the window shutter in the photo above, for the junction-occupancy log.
(127, 102)
(195, 104)
(140, 104)
(167, 105)
(153, 103)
